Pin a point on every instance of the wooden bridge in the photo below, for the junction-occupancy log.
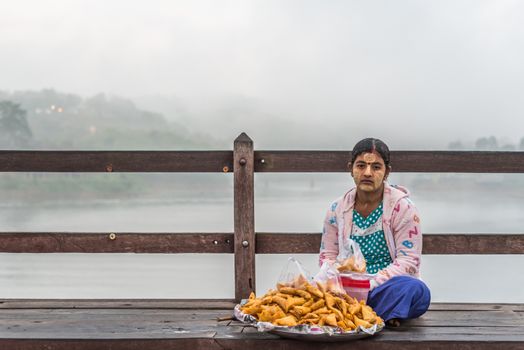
(169, 324)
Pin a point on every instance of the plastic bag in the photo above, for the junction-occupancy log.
(328, 279)
(351, 265)
(350, 258)
(293, 275)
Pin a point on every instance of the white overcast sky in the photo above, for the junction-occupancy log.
(439, 69)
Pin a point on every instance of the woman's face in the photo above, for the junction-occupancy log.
(369, 172)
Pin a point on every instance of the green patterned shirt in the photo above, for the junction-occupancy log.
(369, 235)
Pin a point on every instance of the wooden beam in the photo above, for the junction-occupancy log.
(265, 161)
(161, 328)
(266, 243)
(209, 339)
(401, 161)
(198, 304)
(304, 243)
(179, 304)
(78, 242)
(244, 217)
(116, 161)
(473, 244)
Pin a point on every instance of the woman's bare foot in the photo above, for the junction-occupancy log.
(394, 322)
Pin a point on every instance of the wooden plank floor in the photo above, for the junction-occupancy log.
(170, 324)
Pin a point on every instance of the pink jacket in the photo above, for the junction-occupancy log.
(401, 225)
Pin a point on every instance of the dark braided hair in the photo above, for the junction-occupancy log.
(369, 145)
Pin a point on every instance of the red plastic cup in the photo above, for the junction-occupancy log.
(356, 287)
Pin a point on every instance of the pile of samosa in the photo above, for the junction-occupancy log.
(299, 302)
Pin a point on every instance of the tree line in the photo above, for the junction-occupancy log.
(51, 120)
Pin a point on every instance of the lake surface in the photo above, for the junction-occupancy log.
(483, 278)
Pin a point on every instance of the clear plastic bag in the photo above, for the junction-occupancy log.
(350, 258)
(351, 266)
(293, 275)
(328, 279)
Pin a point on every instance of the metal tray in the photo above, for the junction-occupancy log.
(306, 333)
(321, 337)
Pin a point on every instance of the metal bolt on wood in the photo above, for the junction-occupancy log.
(112, 236)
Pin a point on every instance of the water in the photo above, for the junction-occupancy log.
(301, 208)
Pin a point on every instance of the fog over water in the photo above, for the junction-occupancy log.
(301, 209)
(177, 75)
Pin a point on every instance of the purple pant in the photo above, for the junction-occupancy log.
(400, 297)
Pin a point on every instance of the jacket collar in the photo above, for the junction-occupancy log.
(392, 194)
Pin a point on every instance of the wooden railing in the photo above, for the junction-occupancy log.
(243, 161)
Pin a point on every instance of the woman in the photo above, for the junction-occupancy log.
(384, 222)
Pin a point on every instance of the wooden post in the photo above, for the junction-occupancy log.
(244, 214)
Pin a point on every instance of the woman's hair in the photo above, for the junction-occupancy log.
(369, 145)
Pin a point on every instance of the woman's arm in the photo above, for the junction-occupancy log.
(405, 226)
(329, 243)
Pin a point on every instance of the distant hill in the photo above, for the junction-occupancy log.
(67, 121)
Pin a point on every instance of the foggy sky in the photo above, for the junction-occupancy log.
(421, 73)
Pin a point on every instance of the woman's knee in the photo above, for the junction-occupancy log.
(422, 290)
(421, 298)
(419, 291)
